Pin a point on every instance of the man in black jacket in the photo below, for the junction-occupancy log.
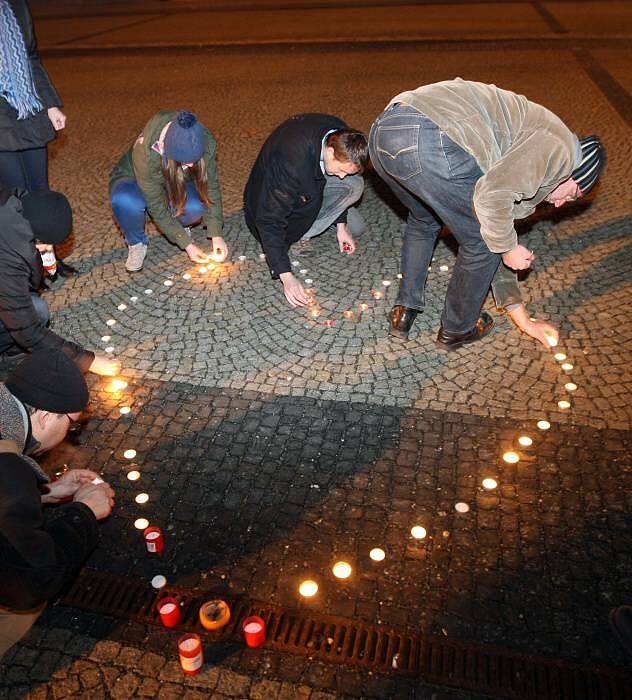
(40, 552)
(306, 178)
(30, 223)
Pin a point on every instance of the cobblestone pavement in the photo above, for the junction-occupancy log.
(271, 445)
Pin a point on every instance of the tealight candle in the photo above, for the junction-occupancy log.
(328, 322)
(110, 322)
(141, 523)
(110, 348)
(543, 424)
(559, 356)
(129, 454)
(315, 312)
(202, 269)
(511, 457)
(154, 540)
(308, 280)
(570, 386)
(186, 276)
(133, 299)
(254, 629)
(341, 569)
(461, 507)
(218, 255)
(168, 283)
(525, 441)
(295, 263)
(241, 258)
(564, 404)
(214, 614)
(443, 268)
(418, 532)
(169, 611)
(121, 307)
(303, 271)
(159, 581)
(308, 588)
(134, 475)
(262, 256)
(106, 338)
(142, 498)
(149, 291)
(118, 385)
(400, 276)
(551, 338)
(124, 410)
(377, 554)
(489, 483)
(567, 366)
(386, 283)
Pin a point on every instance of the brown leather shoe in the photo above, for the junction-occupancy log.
(401, 321)
(452, 341)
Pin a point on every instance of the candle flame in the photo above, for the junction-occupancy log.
(377, 554)
(511, 457)
(525, 441)
(308, 588)
(489, 484)
(418, 532)
(129, 454)
(543, 424)
(141, 524)
(341, 569)
(118, 385)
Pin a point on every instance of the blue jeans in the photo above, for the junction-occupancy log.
(7, 344)
(129, 207)
(434, 178)
(27, 169)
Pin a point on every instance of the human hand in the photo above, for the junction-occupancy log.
(293, 290)
(68, 484)
(345, 240)
(98, 497)
(104, 366)
(220, 249)
(196, 254)
(57, 118)
(542, 331)
(518, 258)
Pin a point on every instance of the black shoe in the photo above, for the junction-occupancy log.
(65, 270)
(452, 341)
(621, 624)
(401, 321)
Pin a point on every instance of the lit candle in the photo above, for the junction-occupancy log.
(169, 611)
(159, 581)
(134, 475)
(133, 299)
(121, 307)
(242, 258)
(489, 483)
(346, 248)
(110, 348)
(543, 424)
(303, 271)
(315, 312)
(400, 276)
(168, 283)
(511, 457)
(564, 404)
(191, 653)
(214, 614)
(377, 295)
(129, 454)
(525, 441)
(118, 385)
(154, 540)
(110, 322)
(443, 268)
(254, 629)
(218, 255)
(106, 338)
(418, 532)
(124, 410)
(551, 337)
(186, 276)
(377, 554)
(341, 569)
(202, 269)
(262, 256)
(142, 498)
(559, 356)
(567, 366)
(141, 524)
(570, 386)
(386, 283)
(149, 291)
(461, 507)
(308, 281)
(308, 588)
(363, 306)
(295, 263)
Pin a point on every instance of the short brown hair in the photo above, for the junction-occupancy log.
(350, 146)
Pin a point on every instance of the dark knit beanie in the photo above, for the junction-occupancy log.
(50, 381)
(185, 140)
(587, 172)
(49, 214)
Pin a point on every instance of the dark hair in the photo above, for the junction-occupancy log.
(350, 146)
(175, 182)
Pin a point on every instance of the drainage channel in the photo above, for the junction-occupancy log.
(441, 661)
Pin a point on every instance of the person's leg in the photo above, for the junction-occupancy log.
(338, 196)
(7, 345)
(14, 625)
(128, 207)
(11, 170)
(41, 307)
(193, 209)
(35, 165)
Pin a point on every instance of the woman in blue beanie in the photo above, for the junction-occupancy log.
(170, 174)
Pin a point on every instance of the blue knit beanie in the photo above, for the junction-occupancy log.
(184, 141)
(587, 172)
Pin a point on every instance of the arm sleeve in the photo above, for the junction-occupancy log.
(516, 177)
(277, 199)
(213, 219)
(40, 555)
(505, 287)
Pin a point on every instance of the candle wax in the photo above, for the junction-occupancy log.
(253, 627)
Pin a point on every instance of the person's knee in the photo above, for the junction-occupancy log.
(41, 308)
(125, 197)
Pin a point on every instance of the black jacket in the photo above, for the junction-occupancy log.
(284, 192)
(36, 130)
(39, 552)
(20, 275)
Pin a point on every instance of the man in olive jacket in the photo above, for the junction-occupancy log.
(306, 178)
(474, 157)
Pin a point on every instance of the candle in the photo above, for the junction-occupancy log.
(254, 629)
(308, 280)
(346, 248)
(461, 507)
(133, 299)
(400, 276)
(303, 271)
(559, 356)
(262, 256)
(129, 454)
(570, 386)
(295, 263)
(377, 295)
(363, 306)
(511, 457)
(159, 581)
(110, 348)
(141, 523)
(134, 475)
(202, 269)
(551, 337)
(118, 385)
(168, 283)
(142, 498)
(308, 588)
(191, 653)
(124, 410)
(386, 283)
(489, 483)
(525, 441)
(377, 554)
(315, 312)
(186, 276)
(443, 268)
(97, 480)
(218, 255)
(418, 532)
(106, 338)
(149, 291)
(214, 614)
(154, 540)
(567, 366)
(110, 322)
(564, 404)
(543, 424)
(341, 569)
(121, 307)
(169, 611)
(242, 258)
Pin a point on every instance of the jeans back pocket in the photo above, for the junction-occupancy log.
(398, 150)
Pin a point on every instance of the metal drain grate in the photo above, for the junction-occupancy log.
(474, 667)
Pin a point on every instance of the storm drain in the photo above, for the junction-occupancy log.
(474, 667)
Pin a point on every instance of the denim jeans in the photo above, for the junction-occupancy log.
(7, 344)
(27, 169)
(129, 207)
(434, 178)
(339, 195)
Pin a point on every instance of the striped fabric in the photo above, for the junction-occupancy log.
(587, 172)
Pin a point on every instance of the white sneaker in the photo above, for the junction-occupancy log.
(135, 257)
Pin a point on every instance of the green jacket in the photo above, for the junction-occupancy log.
(143, 163)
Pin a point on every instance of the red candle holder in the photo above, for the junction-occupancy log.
(191, 653)
(169, 611)
(153, 539)
(254, 629)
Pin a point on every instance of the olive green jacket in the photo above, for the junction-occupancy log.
(144, 163)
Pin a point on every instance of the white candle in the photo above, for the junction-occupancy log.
(110, 348)
(124, 410)
(242, 258)
(168, 283)
(149, 291)
(559, 356)
(386, 283)
(141, 524)
(106, 338)
(142, 498)
(525, 441)
(443, 268)
(118, 385)
(160, 581)
(567, 366)
(564, 404)
(418, 532)
(570, 386)
(186, 276)
(308, 588)
(129, 454)
(133, 299)
(377, 554)
(121, 307)
(511, 457)
(110, 322)
(489, 483)
(543, 424)
(461, 507)
(134, 475)
(341, 569)
(400, 276)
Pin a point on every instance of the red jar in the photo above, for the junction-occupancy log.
(153, 539)
(254, 629)
(169, 611)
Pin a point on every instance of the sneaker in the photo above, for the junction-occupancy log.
(135, 257)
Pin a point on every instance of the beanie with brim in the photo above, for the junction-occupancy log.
(593, 160)
(49, 215)
(185, 140)
(49, 381)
